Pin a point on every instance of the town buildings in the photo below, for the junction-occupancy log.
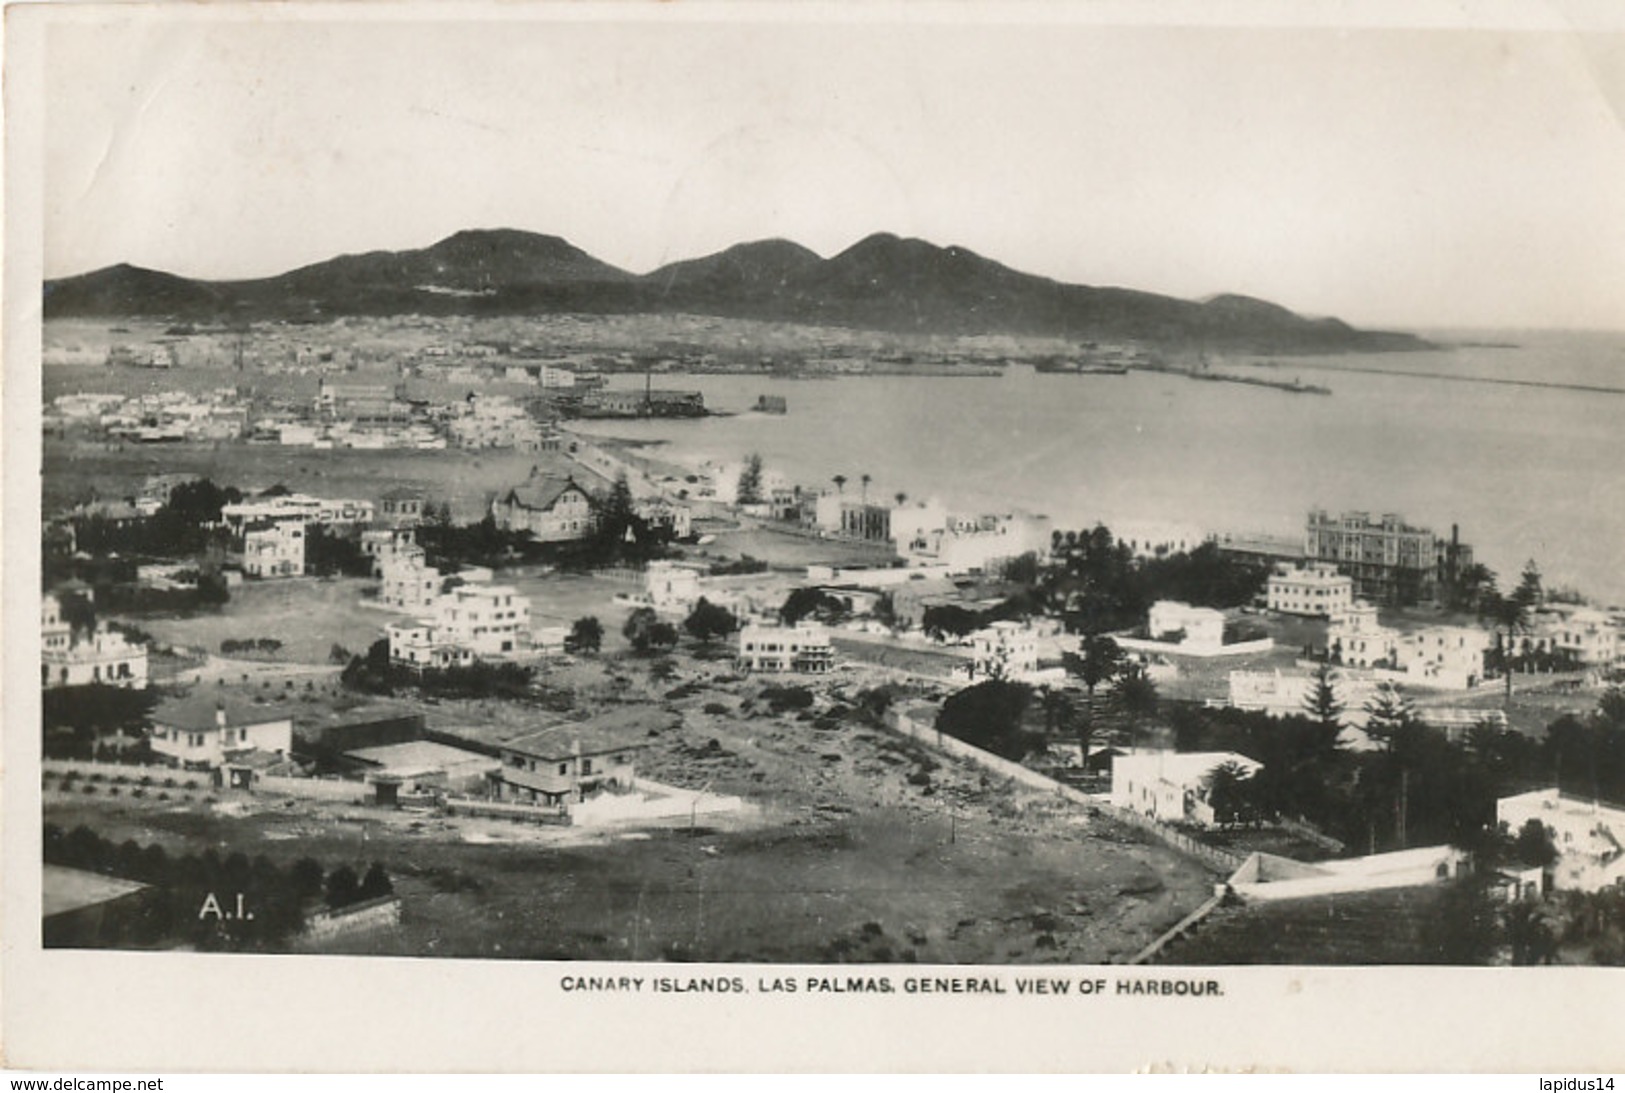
(1172, 786)
(1582, 636)
(1284, 694)
(551, 508)
(1589, 837)
(1391, 561)
(464, 619)
(566, 764)
(668, 586)
(803, 649)
(1004, 650)
(977, 544)
(1317, 590)
(402, 506)
(101, 655)
(203, 731)
(273, 549)
(1195, 628)
(1447, 657)
(296, 508)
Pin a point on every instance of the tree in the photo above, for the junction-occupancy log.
(375, 884)
(1228, 793)
(1470, 587)
(1533, 844)
(709, 621)
(1323, 707)
(586, 636)
(1136, 696)
(749, 491)
(648, 632)
(1022, 569)
(343, 887)
(1510, 616)
(78, 611)
(989, 716)
(950, 620)
(802, 602)
(840, 483)
(1529, 592)
(866, 479)
(1388, 715)
(306, 878)
(1098, 660)
(618, 522)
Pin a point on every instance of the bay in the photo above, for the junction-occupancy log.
(1525, 472)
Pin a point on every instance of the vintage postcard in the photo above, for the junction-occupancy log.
(551, 537)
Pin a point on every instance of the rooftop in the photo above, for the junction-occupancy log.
(1183, 768)
(418, 757)
(541, 491)
(63, 889)
(197, 711)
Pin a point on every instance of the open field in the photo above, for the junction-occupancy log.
(464, 479)
(307, 615)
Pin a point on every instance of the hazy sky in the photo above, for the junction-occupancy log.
(1399, 177)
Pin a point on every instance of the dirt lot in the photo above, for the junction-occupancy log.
(862, 846)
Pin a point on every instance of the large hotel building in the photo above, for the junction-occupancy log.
(1391, 561)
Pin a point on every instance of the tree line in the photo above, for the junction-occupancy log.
(178, 910)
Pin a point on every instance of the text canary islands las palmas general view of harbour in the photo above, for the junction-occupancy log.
(490, 601)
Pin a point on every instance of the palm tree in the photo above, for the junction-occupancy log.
(900, 497)
(1510, 616)
(866, 479)
(840, 483)
(1136, 696)
(1098, 660)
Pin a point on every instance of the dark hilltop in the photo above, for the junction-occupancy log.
(882, 282)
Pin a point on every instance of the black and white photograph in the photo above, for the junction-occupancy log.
(761, 506)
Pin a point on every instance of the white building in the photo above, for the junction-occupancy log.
(914, 522)
(1171, 786)
(1589, 837)
(414, 645)
(295, 508)
(1199, 628)
(203, 731)
(1004, 650)
(409, 584)
(491, 620)
(1285, 695)
(274, 549)
(803, 649)
(967, 544)
(1447, 657)
(1439, 657)
(1584, 634)
(101, 656)
(1317, 590)
(383, 545)
(556, 378)
(671, 587)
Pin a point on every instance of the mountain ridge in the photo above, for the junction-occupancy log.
(881, 282)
